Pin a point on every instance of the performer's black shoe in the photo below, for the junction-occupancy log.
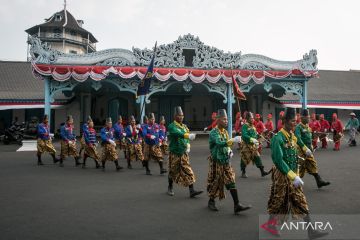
(39, 162)
(129, 166)
(162, 169)
(263, 172)
(148, 172)
(193, 192)
(239, 208)
(55, 160)
(212, 206)
(77, 163)
(243, 174)
(83, 165)
(118, 167)
(314, 234)
(170, 191)
(319, 181)
(61, 162)
(97, 165)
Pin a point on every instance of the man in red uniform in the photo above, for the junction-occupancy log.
(312, 120)
(238, 126)
(338, 130)
(213, 124)
(260, 128)
(269, 129)
(279, 124)
(298, 118)
(325, 127)
(315, 128)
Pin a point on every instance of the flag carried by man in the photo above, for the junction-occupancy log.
(237, 92)
(144, 85)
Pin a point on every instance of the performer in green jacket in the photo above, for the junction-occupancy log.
(249, 146)
(304, 140)
(180, 170)
(287, 196)
(221, 174)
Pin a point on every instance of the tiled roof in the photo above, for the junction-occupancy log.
(17, 82)
(332, 86)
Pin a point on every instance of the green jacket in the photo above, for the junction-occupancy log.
(219, 145)
(352, 123)
(304, 135)
(178, 138)
(284, 152)
(248, 132)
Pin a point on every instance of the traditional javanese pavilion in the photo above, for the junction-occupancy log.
(187, 73)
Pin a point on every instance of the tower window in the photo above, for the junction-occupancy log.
(58, 17)
(73, 52)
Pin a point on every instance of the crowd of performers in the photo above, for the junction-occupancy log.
(293, 143)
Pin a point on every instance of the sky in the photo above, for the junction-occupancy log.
(280, 29)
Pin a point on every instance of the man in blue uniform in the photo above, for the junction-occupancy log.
(90, 144)
(120, 135)
(44, 143)
(152, 148)
(68, 142)
(108, 145)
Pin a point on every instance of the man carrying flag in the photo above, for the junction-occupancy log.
(144, 85)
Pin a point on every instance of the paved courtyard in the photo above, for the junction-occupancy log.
(50, 202)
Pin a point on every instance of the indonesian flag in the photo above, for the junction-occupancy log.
(237, 92)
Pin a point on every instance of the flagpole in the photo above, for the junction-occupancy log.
(142, 108)
(143, 96)
(237, 99)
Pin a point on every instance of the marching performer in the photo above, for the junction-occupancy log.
(109, 152)
(286, 195)
(279, 124)
(119, 134)
(152, 148)
(338, 131)
(134, 140)
(213, 123)
(325, 127)
(260, 128)
(315, 128)
(68, 142)
(238, 126)
(90, 144)
(269, 129)
(44, 142)
(304, 139)
(163, 137)
(249, 147)
(352, 125)
(82, 140)
(180, 170)
(221, 174)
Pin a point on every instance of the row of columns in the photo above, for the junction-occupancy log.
(229, 96)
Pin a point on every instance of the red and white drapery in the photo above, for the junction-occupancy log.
(97, 73)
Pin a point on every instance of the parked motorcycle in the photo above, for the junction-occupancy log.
(15, 133)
